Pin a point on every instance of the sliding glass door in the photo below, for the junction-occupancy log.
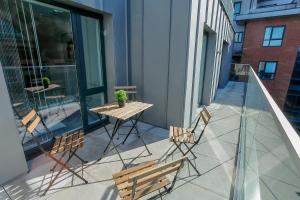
(53, 60)
(91, 54)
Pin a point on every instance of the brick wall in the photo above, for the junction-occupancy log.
(254, 52)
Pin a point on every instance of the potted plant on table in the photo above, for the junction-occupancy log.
(46, 81)
(121, 97)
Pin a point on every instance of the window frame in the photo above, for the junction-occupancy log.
(266, 61)
(242, 37)
(234, 11)
(272, 27)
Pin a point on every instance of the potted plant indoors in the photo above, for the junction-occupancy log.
(121, 97)
(46, 81)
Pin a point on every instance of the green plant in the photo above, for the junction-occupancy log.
(121, 95)
(46, 81)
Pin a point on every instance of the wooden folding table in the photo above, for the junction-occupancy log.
(122, 115)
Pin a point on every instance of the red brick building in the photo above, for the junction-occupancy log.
(262, 43)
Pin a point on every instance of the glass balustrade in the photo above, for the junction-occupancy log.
(268, 162)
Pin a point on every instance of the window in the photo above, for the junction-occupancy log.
(237, 8)
(273, 36)
(267, 70)
(238, 37)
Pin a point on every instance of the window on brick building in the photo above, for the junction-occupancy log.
(237, 8)
(273, 36)
(238, 37)
(267, 70)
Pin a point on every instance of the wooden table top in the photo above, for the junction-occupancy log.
(128, 111)
(37, 89)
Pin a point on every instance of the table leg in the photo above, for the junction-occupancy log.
(116, 126)
(111, 137)
(133, 126)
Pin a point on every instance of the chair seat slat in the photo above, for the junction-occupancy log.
(70, 141)
(146, 189)
(134, 169)
(141, 180)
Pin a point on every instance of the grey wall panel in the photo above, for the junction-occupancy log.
(198, 61)
(219, 54)
(209, 12)
(110, 57)
(217, 58)
(156, 59)
(215, 15)
(136, 45)
(194, 5)
(117, 8)
(203, 8)
(178, 60)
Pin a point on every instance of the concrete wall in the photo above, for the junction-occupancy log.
(12, 157)
(158, 46)
(165, 47)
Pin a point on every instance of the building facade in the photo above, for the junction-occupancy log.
(267, 37)
(65, 57)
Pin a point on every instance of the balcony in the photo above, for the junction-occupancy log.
(216, 155)
(248, 151)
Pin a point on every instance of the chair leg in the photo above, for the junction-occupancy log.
(58, 173)
(173, 150)
(188, 160)
(174, 179)
(190, 150)
(145, 146)
(81, 159)
(63, 165)
(55, 165)
(141, 138)
(135, 123)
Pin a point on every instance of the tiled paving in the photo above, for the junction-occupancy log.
(215, 160)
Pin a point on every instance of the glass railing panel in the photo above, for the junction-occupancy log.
(269, 164)
(57, 100)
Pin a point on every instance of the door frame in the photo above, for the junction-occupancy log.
(81, 68)
(79, 58)
(201, 81)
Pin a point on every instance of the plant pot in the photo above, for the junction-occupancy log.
(121, 103)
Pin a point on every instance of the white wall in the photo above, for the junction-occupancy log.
(12, 158)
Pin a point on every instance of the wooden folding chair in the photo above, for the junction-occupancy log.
(131, 91)
(67, 143)
(138, 181)
(187, 136)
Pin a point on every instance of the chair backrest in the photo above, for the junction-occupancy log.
(131, 91)
(205, 116)
(152, 175)
(31, 121)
